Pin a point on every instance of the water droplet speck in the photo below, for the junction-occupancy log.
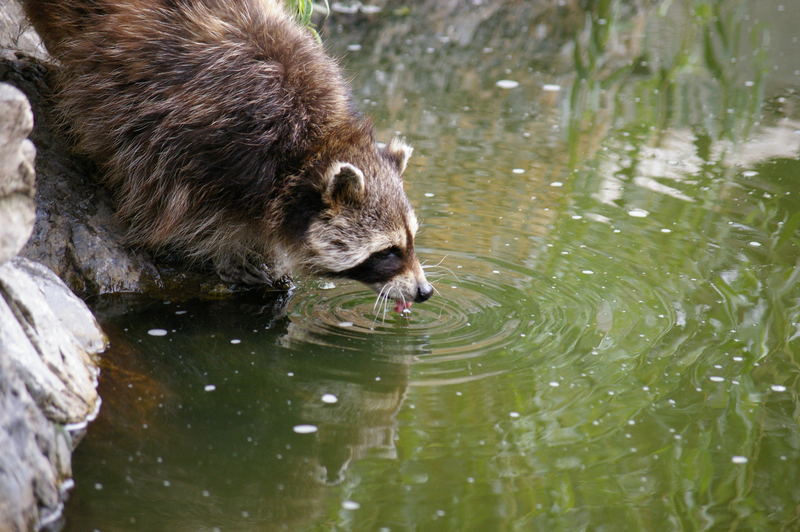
(507, 84)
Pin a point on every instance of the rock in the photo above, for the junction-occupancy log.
(16, 32)
(76, 233)
(47, 390)
(47, 340)
(49, 346)
(17, 208)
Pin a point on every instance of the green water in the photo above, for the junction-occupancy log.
(615, 341)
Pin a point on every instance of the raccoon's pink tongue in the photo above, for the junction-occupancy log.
(402, 306)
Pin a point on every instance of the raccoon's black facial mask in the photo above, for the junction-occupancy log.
(378, 267)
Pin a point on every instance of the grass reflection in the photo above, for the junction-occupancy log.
(673, 65)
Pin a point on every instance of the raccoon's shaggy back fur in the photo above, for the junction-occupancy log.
(226, 132)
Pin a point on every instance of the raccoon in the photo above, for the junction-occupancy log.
(227, 133)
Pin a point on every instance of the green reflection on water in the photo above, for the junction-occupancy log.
(614, 343)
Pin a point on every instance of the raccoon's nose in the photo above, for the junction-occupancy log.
(424, 292)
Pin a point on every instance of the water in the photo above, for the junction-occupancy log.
(614, 342)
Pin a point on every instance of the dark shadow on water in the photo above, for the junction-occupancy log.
(209, 421)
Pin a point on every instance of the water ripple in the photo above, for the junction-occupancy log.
(493, 316)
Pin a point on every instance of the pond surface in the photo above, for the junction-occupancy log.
(611, 214)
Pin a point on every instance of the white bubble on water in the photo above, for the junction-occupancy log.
(514, 414)
(551, 87)
(355, 47)
(638, 213)
(716, 379)
(329, 398)
(350, 505)
(507, 84)
(587, 272)
(209, 387)
(777, 388)
(157, 332)
(429, 194)
(305, 429)
(749, 173)
(739, 459)
(518, 171)
(755, 244)
(556, 184)
(553, 384)
(236, 341)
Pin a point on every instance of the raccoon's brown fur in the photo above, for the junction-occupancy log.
(228, 134)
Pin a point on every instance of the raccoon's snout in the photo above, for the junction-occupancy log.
(424, 292)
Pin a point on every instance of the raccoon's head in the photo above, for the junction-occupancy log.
(366, 229)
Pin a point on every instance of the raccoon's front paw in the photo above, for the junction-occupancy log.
(247, 272)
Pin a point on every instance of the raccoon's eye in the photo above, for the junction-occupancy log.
(386, 253)
(378, 268)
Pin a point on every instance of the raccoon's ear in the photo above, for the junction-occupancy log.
(344, 183)
(399, 152)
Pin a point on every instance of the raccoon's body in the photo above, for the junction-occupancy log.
(227, 133)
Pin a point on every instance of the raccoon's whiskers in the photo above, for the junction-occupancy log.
(435, 289)
(380, 303)
(380, 296)
(439, 266)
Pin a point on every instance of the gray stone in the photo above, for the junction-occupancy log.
(17, 208)
(76, 233)
(48, 337)
(16, 32)
(42, 346)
